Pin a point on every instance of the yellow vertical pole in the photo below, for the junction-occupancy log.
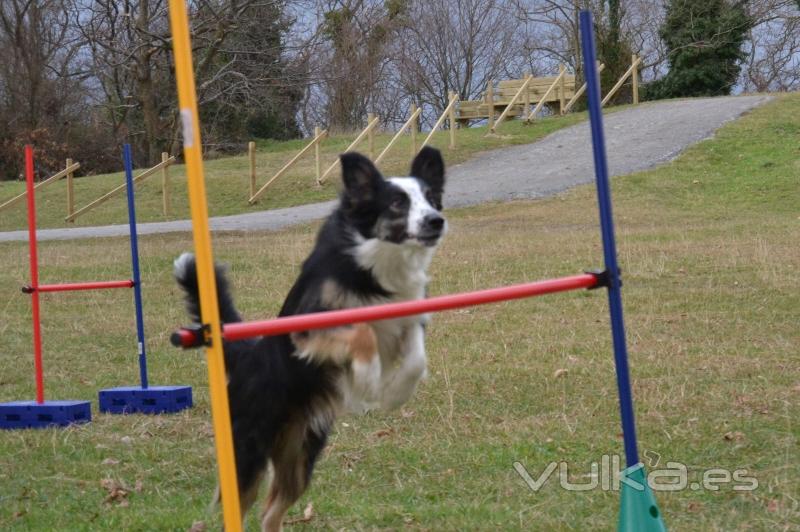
(635, 75)
(187, 101)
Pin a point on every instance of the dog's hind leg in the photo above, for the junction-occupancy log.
(251, 448)
(293, 463)
(248, 495)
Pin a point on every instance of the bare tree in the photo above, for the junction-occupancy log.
(773, 51)
(456, 46)
(40, 84)
(131, 50)
(351, 60)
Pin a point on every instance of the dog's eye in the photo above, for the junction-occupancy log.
(398, 202)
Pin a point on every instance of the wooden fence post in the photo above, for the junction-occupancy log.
(105, 197)
(579, 92)
(358, 140)
(618, 84)
(371, 137)
(52, 179)
(511, 103)
(251, 150)
(408, 123)
(490, 103)
(165, 184)
(635, 79)
(70, 191)
(317, 155)
(561, 89)
(546, 95)
(527, 106)
(319, 135)
(440, 121)
(452, 118)
(414, 127)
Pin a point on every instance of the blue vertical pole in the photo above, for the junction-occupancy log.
(609, 245)
(137, 284)
(638, 510)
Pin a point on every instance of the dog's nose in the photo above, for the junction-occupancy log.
(433, 223)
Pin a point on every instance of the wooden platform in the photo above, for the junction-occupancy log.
(505, 91)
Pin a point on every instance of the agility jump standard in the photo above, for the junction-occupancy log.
(122, 400)
(638, 511)
(192, 337)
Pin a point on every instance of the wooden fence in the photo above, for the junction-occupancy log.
(318, 136)
(632, 71)
(166, 161)
(558, 82)
(514, 97)
(413, 123)
(66, 172)
(449, 112)
(579, 92)
(367, 134)
(371, 125)
(69, 173)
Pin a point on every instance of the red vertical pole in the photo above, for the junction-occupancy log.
(37, 330)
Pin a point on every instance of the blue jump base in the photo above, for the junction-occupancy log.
(33, 415)
(150, 400)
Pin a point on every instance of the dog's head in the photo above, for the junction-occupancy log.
(400, 210)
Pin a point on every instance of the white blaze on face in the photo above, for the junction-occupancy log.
(419, 207)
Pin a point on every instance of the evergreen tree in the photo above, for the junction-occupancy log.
(704, 39)
(613, 50)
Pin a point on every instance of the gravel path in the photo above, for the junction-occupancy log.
(636, 139)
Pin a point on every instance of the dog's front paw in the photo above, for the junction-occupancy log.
(366, 375)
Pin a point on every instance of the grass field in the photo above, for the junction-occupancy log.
(709, 249)
(228, 178)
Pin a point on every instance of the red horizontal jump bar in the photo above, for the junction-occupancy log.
(335, 318)
(71, 287)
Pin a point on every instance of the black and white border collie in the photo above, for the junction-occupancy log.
(286, 391)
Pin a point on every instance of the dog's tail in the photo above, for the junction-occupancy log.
(186, 276)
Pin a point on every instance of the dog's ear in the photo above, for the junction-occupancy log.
(360, 177)
(429, 167)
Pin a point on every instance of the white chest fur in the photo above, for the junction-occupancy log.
(401, 270)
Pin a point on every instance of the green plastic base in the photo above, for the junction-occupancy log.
(638, 511)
